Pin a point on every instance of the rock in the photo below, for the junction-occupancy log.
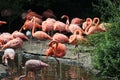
(3, 72)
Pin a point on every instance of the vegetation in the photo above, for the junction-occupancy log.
(106, 55)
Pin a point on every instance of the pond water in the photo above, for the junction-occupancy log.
(66, 70)
(56, 71)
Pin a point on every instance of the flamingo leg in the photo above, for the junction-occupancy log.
(57, 60)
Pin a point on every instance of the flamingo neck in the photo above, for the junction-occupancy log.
(67, 19)
(33, 29)
(89, 24)
(96, 21)
(67, 23)
(52, 43)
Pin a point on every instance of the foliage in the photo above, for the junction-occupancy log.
(106, 55)
(107, 8)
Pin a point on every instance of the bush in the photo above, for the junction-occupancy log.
(106, 55)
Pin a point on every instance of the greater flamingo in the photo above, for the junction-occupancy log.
(47, 25)
(59, 26)
(34, 66)
(40, 34)
(29, 25)
(5, 37)
(86, 23)
(9, 53)
(94, 27)
(8, 59)
(59, 37)
(56, 49)
(77, 37)
(70, 27)
(77, 21)
(19, 34)
(14, 43)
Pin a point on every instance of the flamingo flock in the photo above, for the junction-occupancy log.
(41, 30)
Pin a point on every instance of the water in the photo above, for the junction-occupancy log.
(56, 71)
(66, 70)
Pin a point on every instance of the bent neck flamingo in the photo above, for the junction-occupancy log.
(33, 66)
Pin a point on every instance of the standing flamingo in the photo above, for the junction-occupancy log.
(76, 37)
(47, 25)
(34, 66)
(5, 37)
(73, 27)
(8, 58)
(70, 27)
(19, 34)
(9, 53)
(86, 23)
(40, 34)
(58, 50)
(60, 38)
(59, 26)
(77, 21)
(14, 43)
(94, 27)
(29, 25)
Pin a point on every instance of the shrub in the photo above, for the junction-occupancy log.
(106, 55)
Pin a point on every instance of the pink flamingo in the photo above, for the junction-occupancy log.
(5, 37)
(77, 21)
(19, 34)
(40, 34)
(33, 66)
(29, 25)
(60, 38)
(86, 23)
(59, 26)
(47, 25)
(67, 22)
(14, 43)
(70, 27)
(58, 50)
(94, 27)
(77, 37)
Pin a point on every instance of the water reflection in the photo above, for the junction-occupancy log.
(55, 72)
(66, 70)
